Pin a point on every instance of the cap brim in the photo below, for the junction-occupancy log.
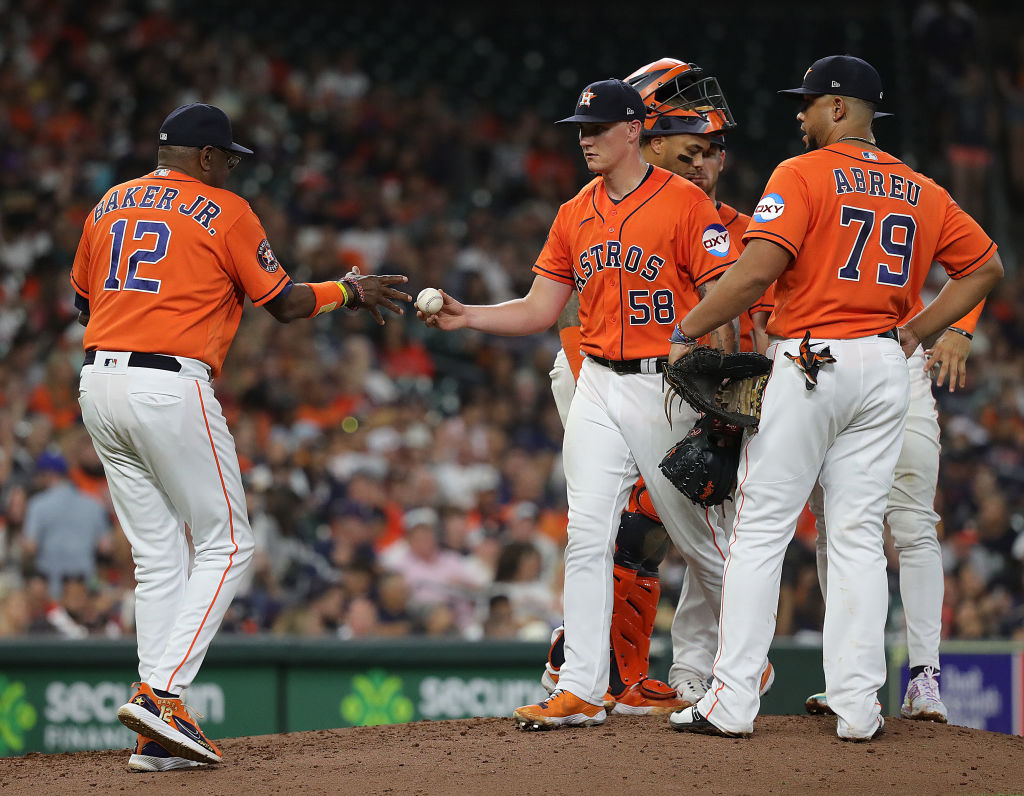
(580, 119)
(238, 149)
(882, 115)
(798, 92)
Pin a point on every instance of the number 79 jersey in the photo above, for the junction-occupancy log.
(166, 262)
(863, 229)
(636, 262)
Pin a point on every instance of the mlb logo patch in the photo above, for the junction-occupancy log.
(110, 362)
(869, 156)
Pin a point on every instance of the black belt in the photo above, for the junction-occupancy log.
(137, 359)
(627, 365)
(892, 334)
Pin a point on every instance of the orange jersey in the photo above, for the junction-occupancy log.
(636, 262)
(737, 223)
(166, 262)
(967, 323)
(863, 229)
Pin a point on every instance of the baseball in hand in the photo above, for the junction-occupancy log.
(429, 301)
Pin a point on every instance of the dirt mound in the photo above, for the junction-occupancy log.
(489, 756)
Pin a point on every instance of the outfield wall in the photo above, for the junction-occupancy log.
(58, 696)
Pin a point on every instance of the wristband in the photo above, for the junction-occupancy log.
(327, 296)
(966, 334)
(678, 336)
(358, 299)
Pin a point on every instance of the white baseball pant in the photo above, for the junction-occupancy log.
(695, 625)
(170, 460)
(912, 519)
(616, 430)
(846, 433)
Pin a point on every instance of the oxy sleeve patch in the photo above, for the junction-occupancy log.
(716, 240)
(769, 208)
(265, 255)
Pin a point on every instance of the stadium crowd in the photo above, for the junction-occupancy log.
(399, 482)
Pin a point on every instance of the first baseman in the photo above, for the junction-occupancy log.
(847, 232)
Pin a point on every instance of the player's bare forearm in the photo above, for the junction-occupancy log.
(740, 286)
(954, 301)
(760, 331)
(296, 303)
(536, 311)
(725, 337)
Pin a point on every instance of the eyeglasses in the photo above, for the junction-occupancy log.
(233, 159)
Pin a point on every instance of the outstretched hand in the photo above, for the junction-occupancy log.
(451, 316)
(377, 292)
(949, 355)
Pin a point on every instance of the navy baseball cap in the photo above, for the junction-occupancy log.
(199, 125)
(844, 75)
(51, 462)
(608, 101)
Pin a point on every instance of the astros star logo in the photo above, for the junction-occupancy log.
(586, 97)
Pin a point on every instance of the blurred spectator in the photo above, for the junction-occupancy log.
(436, 577)
(64, 529)
(343, 428)
(520, 578)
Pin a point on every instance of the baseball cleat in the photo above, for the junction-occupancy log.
(878, 731)
(693, 690)
(690, 720)
(550, 682)
(817, 705)
(649, 697)
(167, 721)
(151, 756)
(922, 701)
(561, 709)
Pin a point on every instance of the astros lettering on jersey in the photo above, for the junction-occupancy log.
(636, 274)
(882, 254)
(143, 263)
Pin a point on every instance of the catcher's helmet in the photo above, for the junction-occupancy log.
(681, 98)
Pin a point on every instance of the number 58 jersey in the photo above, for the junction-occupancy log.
(166, 261)
(636, 262)
(863, 229)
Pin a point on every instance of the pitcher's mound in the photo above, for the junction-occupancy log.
(787, 754)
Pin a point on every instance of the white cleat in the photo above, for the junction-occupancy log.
(922, 701)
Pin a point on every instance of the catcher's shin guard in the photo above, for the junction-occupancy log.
(636, 604)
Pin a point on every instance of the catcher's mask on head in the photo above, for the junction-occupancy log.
(670, 87)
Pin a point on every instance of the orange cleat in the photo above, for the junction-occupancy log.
(561, 709)
(649, 697)
(151, 756)
(167, 721)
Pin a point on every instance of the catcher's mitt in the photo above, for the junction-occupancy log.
(729, 387)
(703, 465)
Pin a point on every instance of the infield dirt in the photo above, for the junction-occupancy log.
(787, 754)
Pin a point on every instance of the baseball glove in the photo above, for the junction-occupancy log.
(729, 387)
(703, 465)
